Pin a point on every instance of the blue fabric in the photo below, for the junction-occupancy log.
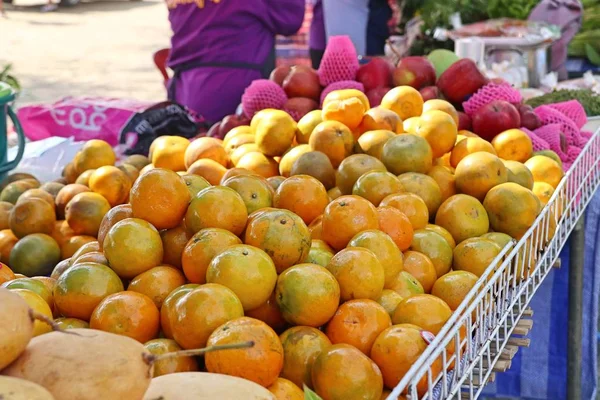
(540, 371)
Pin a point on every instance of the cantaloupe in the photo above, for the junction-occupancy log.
(16, 326)
(20, 389)
(204, 386)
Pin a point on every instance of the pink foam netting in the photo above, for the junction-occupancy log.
(573, 110)
(341, 86)
(549, 115)
(538, 143)
(551, 133)
(586, 134)
(573, 153)
(261, 94)
(490, 92)
(339, 62)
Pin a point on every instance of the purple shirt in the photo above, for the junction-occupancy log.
(317, 39)
(228, 31)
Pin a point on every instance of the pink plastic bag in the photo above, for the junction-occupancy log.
(130, 124)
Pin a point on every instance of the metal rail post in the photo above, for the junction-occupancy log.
(576, 257)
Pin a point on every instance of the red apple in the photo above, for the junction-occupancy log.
(214, 130)
(529, 119)
(464, 121)
(229, 122)
(495, 117)
(375, 95)
(279, 74)
(414, 71)
(461, 80)
(430, 92)
(298, 107)
(375, 74)
(302, 81)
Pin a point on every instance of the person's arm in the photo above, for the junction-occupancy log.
(285, 17)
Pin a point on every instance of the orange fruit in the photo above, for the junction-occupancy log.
(301, 346)
(307, 124)
(202, 248)
(174, 241)
(247, 271)
(454, 287)
(5, 208)
(7, 242)
(477, 173)
(359, 273)
(290, 157)
(69, 173)
(32, 215)
(435, 247)
(200, 311)
(307, 294)
(286, 390)
(389, 300)
(90, 247)
(513, 144)
(160, 197)
(169, 365)
(37, 304)
(421, 267)
(379, 118)
(137, 160)
(130, 171)
(205, 147)
(115, 215)
(397, 225)
(407, 153)
(35, 254)
(423, 310)
(352, 168)
(275, 133)
(439, 129)
(358, 323)
(333, 139)
(37, 194)
(423, 186)
(195, 184)
(259, 164)
(112, 183)
(406, 285)
(501, 239)
(445, 180)
(94, 154)
(35, 285)
(543, 191)
(217, 207)
(384, 249)
(475, 255)
(404, 101)
(232, 173)
(127, 257)
(157, 283)
(545, 169)
(410, 205)
(441, 105)
(376, 185)
(168, 152)
(317, 165)
(72, 244)
(511, 208)
(347, 107)
(260, 363)
(334, 193)
(71, 323)
(519, 173)
(254, 190)
(14, 190)
(127, 313)
(372, 142)
(167, 310)
(6, 273)
(316, 228)
(276, 181)
(237, 141)
(463, 216)
(94, 256)
(396, 350)
(343, 372)
(281, 234)
(443, 233)
(346, 216)
(85, 212)
(208, 169)
(303, 195)
(238, 130)
(65, 195)
(82, 287)
(62, 232)
(269, 313)
(468, 146)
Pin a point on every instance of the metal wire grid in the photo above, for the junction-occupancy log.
(459, 362)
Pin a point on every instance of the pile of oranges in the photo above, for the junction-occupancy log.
(333, 244)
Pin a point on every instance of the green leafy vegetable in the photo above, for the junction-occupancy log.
(310, 395)
(588, 99)
(9, 79)
(592, 54)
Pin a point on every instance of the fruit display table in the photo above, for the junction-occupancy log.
(494, 320)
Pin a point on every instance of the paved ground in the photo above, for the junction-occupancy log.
(102, 47)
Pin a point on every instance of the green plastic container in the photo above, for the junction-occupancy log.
(7, 96)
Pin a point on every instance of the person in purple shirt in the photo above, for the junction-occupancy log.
(219, 47)
(317, 40)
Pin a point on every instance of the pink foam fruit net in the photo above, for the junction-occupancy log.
(490, 92)
(339, 62)
(261, 94)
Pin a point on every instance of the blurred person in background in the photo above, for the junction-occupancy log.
(219, 47)
(317, 40)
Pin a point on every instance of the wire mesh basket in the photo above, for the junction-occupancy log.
(460, 361)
